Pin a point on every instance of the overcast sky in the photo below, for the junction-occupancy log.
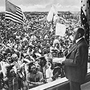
(44, 5)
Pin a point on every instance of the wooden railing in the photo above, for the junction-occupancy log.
(59, 84)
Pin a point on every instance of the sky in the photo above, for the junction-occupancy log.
(44, 5)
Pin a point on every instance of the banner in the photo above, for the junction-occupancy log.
(51, 14)
(60, 29)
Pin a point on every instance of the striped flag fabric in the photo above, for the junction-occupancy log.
(13, 13)
(85, 17)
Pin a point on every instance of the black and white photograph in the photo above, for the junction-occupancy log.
(44, 45)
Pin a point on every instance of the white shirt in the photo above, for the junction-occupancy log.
(3, 67)
(49, 73)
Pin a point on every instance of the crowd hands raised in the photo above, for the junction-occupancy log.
(26, 55)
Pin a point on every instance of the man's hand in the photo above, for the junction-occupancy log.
(63, 59)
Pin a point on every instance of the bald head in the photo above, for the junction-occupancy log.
(78, 33)
(81, 31)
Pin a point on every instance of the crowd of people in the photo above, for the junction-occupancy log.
(26, 54)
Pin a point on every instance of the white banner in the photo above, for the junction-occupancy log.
(51, 13)
(60, 29)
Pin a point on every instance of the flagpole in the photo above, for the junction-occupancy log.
(5, 18)
(85, 17)
(88, 18)
(52, 22)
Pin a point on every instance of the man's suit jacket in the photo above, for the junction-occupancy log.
(76, 62)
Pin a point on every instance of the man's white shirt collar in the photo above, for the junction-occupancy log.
(78, 39)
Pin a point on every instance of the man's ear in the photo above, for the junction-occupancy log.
(79, 35)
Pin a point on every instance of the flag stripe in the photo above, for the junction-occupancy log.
(11, 16)
(13, 19)
(19, 14)
(14, 15)
(18, 11)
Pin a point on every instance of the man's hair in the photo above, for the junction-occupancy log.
(81, 31)
(30, 65)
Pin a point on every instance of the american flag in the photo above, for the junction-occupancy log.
(13, 12)
(85, 17)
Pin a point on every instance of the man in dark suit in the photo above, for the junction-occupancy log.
(75, 64)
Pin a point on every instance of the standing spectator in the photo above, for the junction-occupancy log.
(34, 77)
(49, 71)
